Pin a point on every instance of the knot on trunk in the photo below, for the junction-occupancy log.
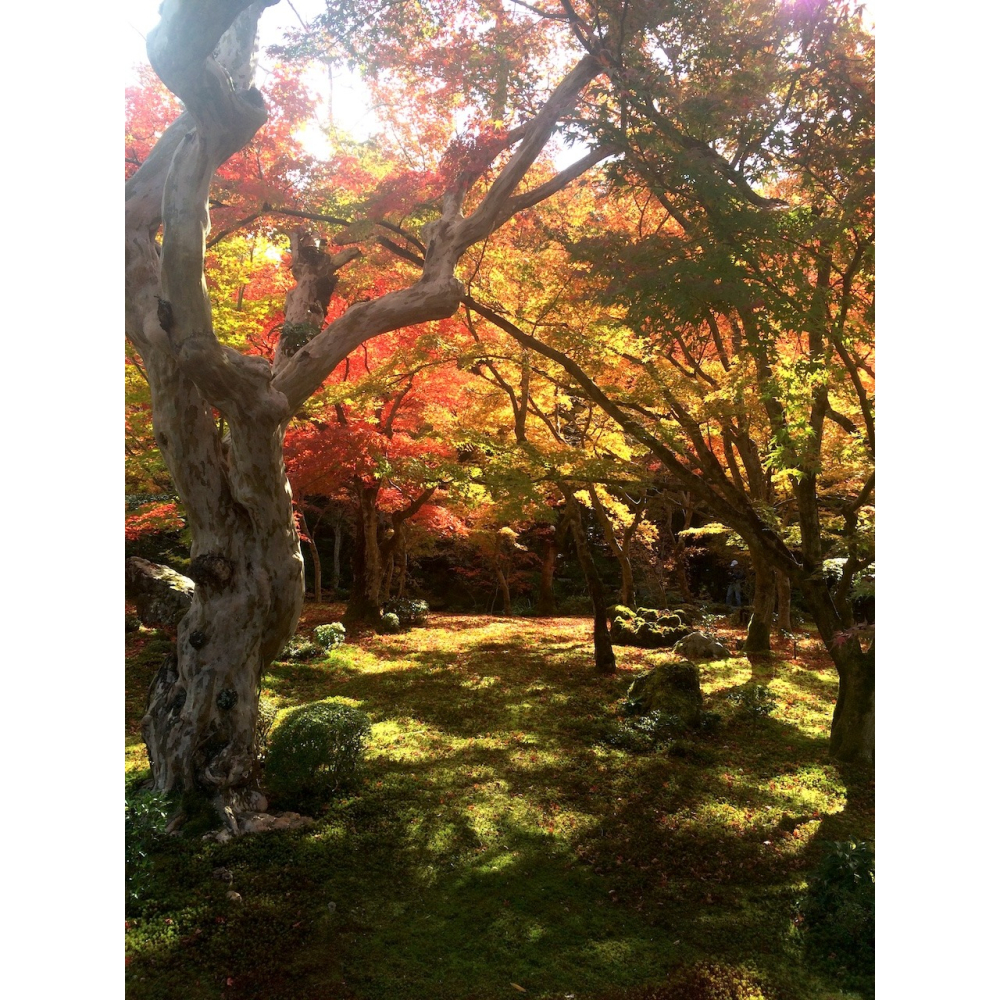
(226, 699)
(165, 314)
(212, 571)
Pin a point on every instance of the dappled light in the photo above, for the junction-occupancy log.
(500, 835)
(500, 501)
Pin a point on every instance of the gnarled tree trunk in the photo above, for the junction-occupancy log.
(246, 562)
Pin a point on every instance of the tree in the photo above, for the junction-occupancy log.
(245, 556)
(737, 337)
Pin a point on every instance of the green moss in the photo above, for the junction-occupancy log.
(498, 836)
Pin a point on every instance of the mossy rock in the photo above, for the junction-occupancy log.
(631, 630)
(670, 621)
(670, 688)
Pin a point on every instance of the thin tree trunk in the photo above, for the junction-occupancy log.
(314, 558)
(402, 576)
(386, 589)
(338, 538)
(364, 602)
(764, 595)
(678, 554)
(604, 654)
(852, 734)
(784, 586)
(502, 584)
(620, 549)
(546, 593)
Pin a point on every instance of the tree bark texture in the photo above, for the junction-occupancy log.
(502, 583)
(338, 541)
(246, 561)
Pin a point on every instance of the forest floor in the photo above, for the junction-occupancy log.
(514, 834)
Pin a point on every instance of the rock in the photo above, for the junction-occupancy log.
(234, 897)
(266, 822)
(223, 874)
(671, 688)
(700, 646)
(162, 595)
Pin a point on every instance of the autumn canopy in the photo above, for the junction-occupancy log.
(583, 321)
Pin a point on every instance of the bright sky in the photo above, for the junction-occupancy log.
(343, 98)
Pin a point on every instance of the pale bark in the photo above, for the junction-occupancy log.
(246, 561)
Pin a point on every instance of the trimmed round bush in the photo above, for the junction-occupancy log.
(409, 611)
(330, 635)
(315, 750)
(298, 649)
(390, 623)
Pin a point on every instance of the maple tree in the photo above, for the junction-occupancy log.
(736, 337)
(729, 331)
(246, 562)
(378, 442)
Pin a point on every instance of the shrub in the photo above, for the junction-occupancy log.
(267, 712)
(644, 734)
(330, 635)
(146, 815)
(577, 605)
(410, 612)
(391, 624)
(132, 623)
(837, 915)
(298, 649)
(753, 701)
(315, 750)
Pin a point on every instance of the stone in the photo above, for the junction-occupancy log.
(234, 897)
(700, 646)
(162, 596)
(670, 688)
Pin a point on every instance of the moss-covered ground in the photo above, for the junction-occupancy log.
(510, 837)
